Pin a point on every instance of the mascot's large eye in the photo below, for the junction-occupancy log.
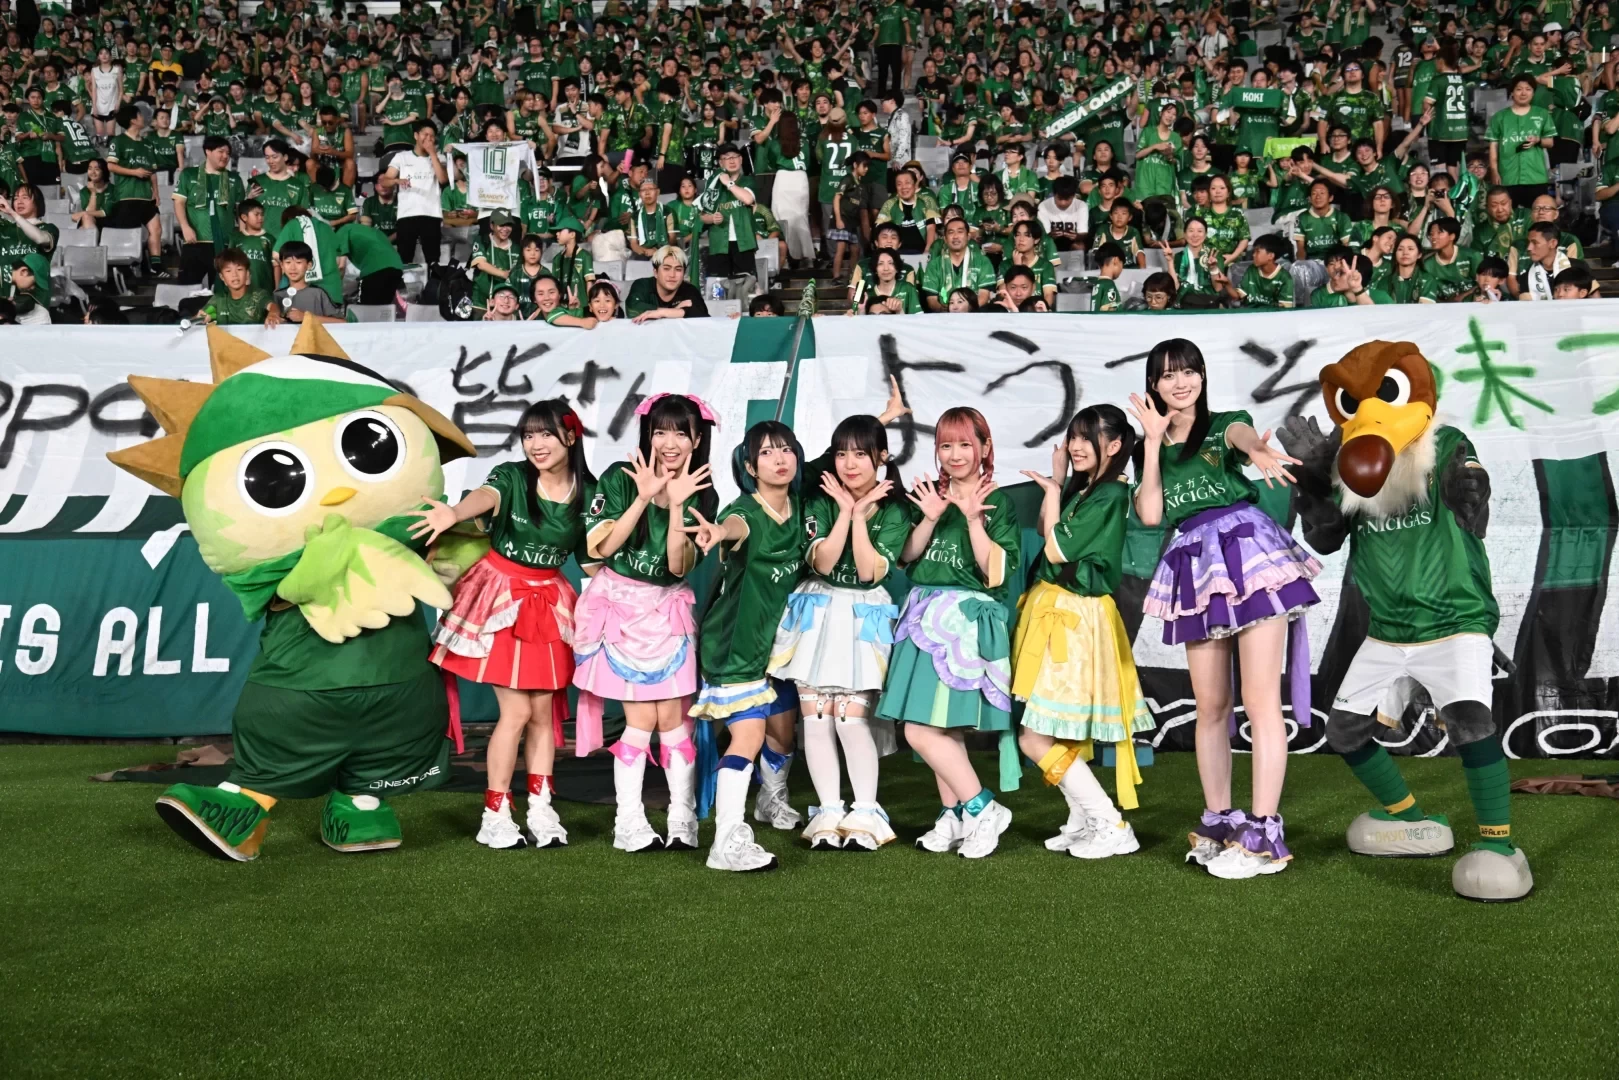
(1348, 403)
(370, 446)
(1395, 387)
(275, 478)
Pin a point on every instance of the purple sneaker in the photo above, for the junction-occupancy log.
(1256, 847)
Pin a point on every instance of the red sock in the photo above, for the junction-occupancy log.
(494, 800)
(537, 784)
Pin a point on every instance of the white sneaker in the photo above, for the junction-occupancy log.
(945, 836)
(682, 832)
(634, 834)
(544, 825)
(1237, 863)
(822, 831)
(1076, 830)
(984, 831)
(770, 807)
(866, 829)
(1204, 851)
(1104, 839)
(499, 831)
(737, 851)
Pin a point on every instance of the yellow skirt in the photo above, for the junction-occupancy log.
(1072, 666)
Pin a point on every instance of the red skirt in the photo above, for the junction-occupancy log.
(510, 625)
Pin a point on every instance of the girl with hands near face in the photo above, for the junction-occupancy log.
(951, 668)
(636, 613)
(836, 634)
(1230, 580)
(1071, 657)
(502, 627)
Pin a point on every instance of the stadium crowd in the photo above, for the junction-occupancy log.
(581, 163)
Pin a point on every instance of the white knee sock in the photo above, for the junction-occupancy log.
(730, 798)
(821, 755)
(627, 778)
(680, 774)
(859, 757)
(1081, 786)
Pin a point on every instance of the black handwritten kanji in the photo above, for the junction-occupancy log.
(513, 359)
(626, 408)
(485, 406)
(1269, 391)
(463, 367)
(895, 368)
(586, 380)
(1065, 375)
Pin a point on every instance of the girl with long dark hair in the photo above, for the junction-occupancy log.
(1071, 659)
(510, 624)
(763, 555)
(951, 667)
(1230, 581)
(834, 641)
(634, 638)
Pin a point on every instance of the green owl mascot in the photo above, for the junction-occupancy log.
(297, 476)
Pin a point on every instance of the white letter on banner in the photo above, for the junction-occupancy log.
(45, 642)
(122, 620)
(5, 613)
(154, 639)
(200, 660)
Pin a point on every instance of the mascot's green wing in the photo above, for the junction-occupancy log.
(349, 579)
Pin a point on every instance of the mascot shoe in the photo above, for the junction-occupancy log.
(358, 823)
(1487, 875)
(223, 821)
(1382, 835)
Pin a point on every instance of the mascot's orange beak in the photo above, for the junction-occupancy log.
(1374, 438)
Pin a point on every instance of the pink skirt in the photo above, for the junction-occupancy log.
(633, 641)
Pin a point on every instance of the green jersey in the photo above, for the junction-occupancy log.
(395, 113)
(244, 311)
(1226, 230)
(1355, 111)
(737, 224)
(757, 574)
(381, 215)
(644, 556)
(514, 535)
(1451, 104)
(128, 153)
(649, 228)
(1084, 552)
(368, 249)
(210, 202)
(1508, 132)
(942, 276)
(833, 154)
(1424, 576)
(1326, 298)
(331, 206)
(1259, 291)
(261, 274)
(294, 657)
(891, 25)
(1105, 295)
(1323, 232)
(1455, 279)
(276, 195)
(1212, 479)
(888, 524)
(872, 143)
(500, 258)
(948, 560)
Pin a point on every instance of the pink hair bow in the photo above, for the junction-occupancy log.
(702, 406)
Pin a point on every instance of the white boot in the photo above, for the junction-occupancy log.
(680, 772)
(734, 847)
(822, 830)
(497, 829)
(770, 806)
(544, 825)
(866, 828)
(631, 830)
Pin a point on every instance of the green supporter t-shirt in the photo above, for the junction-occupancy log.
(259, 265)
(1355, 112)
(276, 195)
(1227, 230)
(941, 276)
(247, 311)
(887, 525)
(210, 200)
(1508, 131)
(1212, 478)
(513, 533)
(756, 575)
(1084, 552)
(1455, 279)
(331, 206)
(368, 249)
(644, 556)
(872, 143)
(1105, 295)
(833, 155)
(891, 25)
(1326, 298)
(1259, 291)
(948, 561)
(129, 153)
(1424, 576)
(384, 215)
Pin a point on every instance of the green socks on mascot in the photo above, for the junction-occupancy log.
(1413, 502)
(297, 475)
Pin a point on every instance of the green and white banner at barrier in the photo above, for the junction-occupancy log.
(110, 625)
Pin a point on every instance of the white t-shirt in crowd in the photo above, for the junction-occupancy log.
(1070, 222)
(419, 198)
(106, 90)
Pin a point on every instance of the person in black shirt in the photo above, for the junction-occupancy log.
(666, 294)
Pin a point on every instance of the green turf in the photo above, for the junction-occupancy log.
(129, 954)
